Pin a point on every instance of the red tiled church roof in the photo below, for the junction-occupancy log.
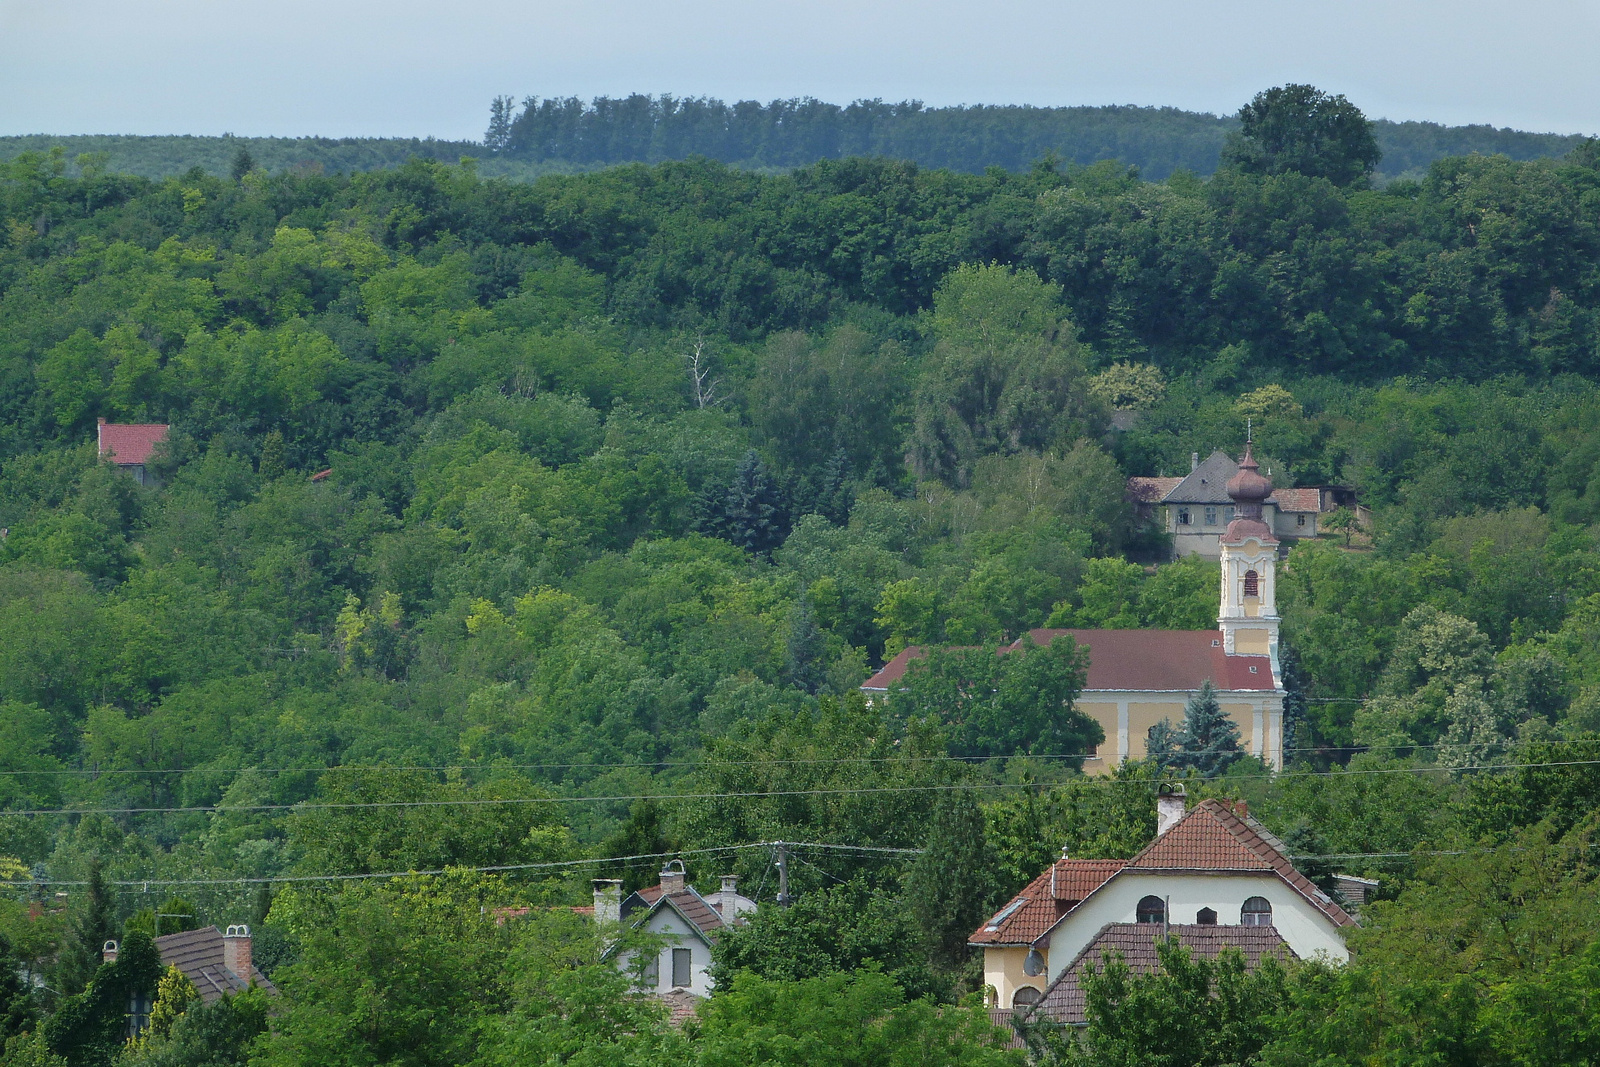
(130, 443)
(1029, 914)
(1136, 660)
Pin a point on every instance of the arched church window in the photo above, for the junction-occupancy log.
(1152, 909)
(1252, 583)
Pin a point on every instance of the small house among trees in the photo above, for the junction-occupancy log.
(130, 445)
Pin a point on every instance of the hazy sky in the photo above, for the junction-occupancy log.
(404, 67)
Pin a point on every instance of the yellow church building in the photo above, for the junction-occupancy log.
(1136, 678)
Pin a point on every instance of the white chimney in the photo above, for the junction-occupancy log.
(236, 951)
(1194, 461)
(1170, 808)
(607, 900)
(108, 952)
(728, 899)
(672, 877)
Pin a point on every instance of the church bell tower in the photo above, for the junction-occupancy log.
(1248, 617)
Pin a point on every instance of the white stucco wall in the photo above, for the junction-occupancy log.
(669, 926)
(1303, 927)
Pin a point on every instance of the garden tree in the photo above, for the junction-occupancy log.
(849, 774)
(1163, 742)
(89, 1028)
(1343, 521)
(175, 995)
(17, 1007)
(399, 971)
(1209, 739)
(29, 1050)
(1016, 703)
(830, 929)
(843, 1018)
(950, 886)
(1191, 1012)
(1435, 688)
(644, 834)
(1300, 128)
(93, 924)
(805, 649)
(566, 1004)
(220, 1034)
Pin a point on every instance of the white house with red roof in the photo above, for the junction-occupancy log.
(130, 445)
(681, 920)
(1212, 867)
(1137, 678)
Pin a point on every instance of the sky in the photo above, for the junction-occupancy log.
(411, 68)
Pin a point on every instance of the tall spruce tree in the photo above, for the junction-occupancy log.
(752, 513)
(1209, 740)
(16, 998)
(93, 925)
(951, 885)
(806, 648)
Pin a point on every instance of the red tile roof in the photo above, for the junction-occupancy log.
(198, 954)
(691, 905)
(130, 443)
(1063, 1002)
(1216, 836)
(1297, 499)
(1044, 900)
(1135, 660)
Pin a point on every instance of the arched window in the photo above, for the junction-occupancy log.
(1256, 912)
(1252, 583)
(1206, 917)
(1151, 909)
(1024, 996)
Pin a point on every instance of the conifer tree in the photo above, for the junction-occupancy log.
(16, 999)
(806, 648)
(752, 512)
(91, 928)
(1209, 740)
(951, 885)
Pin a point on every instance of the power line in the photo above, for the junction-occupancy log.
(302, 806)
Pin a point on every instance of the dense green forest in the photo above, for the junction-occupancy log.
(568, 135)
(536, 525)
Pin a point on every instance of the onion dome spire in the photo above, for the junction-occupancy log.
(1248, 489)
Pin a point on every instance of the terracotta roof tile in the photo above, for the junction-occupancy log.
(690, 904)
(1063, 1002)
(1216, 836)
(130, 443)
(1043, 901)
(1135, 660)
(1294, 500)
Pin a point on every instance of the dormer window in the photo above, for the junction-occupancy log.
(1152, 909)
(1252, 583)
(1257, 911)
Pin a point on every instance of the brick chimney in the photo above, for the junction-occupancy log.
(108, 953)
(1170, 807)
(236, 951)
(672, 877)
(607, 900)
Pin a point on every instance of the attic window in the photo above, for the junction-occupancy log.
(1206, 917)
(1152, 909)
(1256, 912)
(1252, 583)
(1005, 913)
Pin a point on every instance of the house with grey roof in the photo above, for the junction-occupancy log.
(1195, 510)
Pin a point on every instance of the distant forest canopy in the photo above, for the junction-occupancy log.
(565, 135)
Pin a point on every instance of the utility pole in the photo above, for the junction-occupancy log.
(783, 875)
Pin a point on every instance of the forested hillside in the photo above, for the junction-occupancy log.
(508, 530)
(568, 135)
